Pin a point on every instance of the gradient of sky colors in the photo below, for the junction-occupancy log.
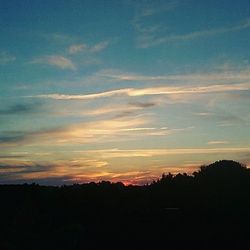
(121, 90)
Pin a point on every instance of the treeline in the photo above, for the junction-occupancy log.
(208, 209)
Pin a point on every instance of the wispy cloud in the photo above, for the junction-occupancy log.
(147, 10)
(70, 170)
(56, 61)
(204, 114)
(78, 48)
(94, 165)
(80, 169)
(133, 92)
(217, 142)
(100, 131)
(74, 49)
(84, 97)
(119, 153)
(223, 76)
(86, 170)
(99, 46)
(224, 117)
(6, 58)
(151, 8)
(110, 109)
(148, 37)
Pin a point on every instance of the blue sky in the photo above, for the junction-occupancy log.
(121, 90)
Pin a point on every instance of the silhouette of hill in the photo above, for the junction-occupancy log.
(207, 210)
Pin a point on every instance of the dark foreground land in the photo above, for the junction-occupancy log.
(208, 210)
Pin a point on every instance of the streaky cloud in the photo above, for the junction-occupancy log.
(74, 49)
(149, 40)
(204, 77)
(217, 142)
(130, 108)
(83, 97)
(119, 153)
(78, 48)
(81, 133)
(56, 61)
(99, 46)
(133, 92)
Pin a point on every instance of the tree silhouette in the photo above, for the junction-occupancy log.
(223, 168)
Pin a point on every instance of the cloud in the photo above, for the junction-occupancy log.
(108, 110)
(99, 46)
(7, 157)
(223, 116)
(28, 167)
(6, 58)
(119, 153)
(82, 133)
(83, 97)
(19, 171)
(204, 114)
(99, 131)
(147, 11)
(151, 9)
(9, 138)
(223, 76)
(105, 127)
(57, 61)
(214, 76)
(129, 108)
(217, 142)
(149, 37)
(133, 92)
(142, 104)
(81, 170)
(21, 108)
(93, 165)
(73, 49)
(78, 48)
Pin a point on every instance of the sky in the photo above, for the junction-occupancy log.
(121, 90)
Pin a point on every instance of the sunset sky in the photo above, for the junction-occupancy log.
(122, 90)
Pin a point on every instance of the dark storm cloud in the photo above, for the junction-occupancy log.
(9, 137)
(9, 169)
(139, 105)
(11, 156)
(21, 108)
(10, 174)
(124, 114)
(17, 137)
(142, 104)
